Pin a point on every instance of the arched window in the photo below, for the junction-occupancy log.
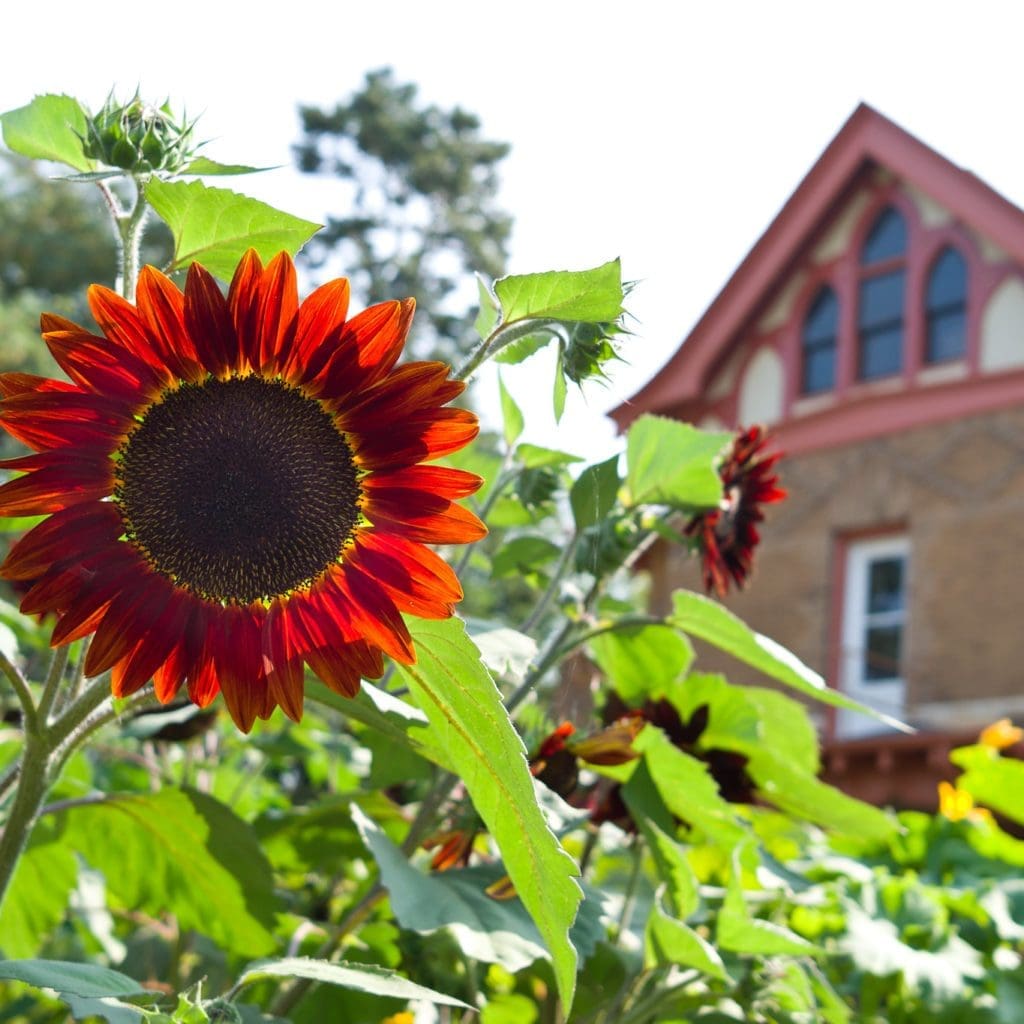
(882, 287)
(945, 308)
(818, 342)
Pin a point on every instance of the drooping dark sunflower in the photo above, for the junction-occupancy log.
(236, 487)
(727, 536)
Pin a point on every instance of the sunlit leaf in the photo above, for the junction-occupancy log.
(803, 796)
(204, 165)
(522, 348)
(593, 494)
(741, 932)
(37, 897)
(673, 463)
(593, 296)
(51, 127)
(511, 414)
(668, 940)
(505, 651)
(66, 978)
(215, 226)
(487, 317)
(560, 387)
(876, 948)
(486, 929)
(641, 661)
(702, 617)
(185, 852)
(687, 788)
(362, 977)
(523, 555)
(459, 697)
(534, 457)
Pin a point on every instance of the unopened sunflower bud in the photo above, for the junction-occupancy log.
(138, 137)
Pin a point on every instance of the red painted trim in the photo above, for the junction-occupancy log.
(866, 137)
(869, 410)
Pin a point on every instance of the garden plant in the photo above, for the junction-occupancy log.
(320, 705)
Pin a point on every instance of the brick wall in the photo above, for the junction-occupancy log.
(957, 491)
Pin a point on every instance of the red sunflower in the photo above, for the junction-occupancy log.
(726, 536)
(235, 487)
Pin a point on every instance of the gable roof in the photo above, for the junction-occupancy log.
(866, 137)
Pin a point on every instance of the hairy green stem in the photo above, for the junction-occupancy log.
(51, 685)
(499, 338)
(564, 561)
(46, 748)
(128, 225)
(33, 783)
(21, 690)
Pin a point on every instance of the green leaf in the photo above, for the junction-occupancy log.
(65, 978)
(996, 782)
(522, 348)
(487, 317)
(185, 852)
(391, 716)
(511, 414)
(670, 941)
(505, 651)
(459, 697)
(486, 929)
(593, 296)
(369, 978)
(37, 898)
(523, 555)
(509, 1008)
(674, 869)
(203, 165)
(875, 946)
(593, 494)
(51, 127)
(803, 796)
(687, 788)
(673, 463)
(740, 932)
(533, 457)
(642, 661)
(560, 388)
(702, 617)
(215, 226)
(114, 1011)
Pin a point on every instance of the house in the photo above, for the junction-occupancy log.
(877, 328)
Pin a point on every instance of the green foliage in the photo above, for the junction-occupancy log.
(460, 700)
(421, 842)
(421, 213)
(215, 226)
(51, 127)
(588, 296)
(180, 850)
(670, 463)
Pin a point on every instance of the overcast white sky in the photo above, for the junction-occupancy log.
(668, 134)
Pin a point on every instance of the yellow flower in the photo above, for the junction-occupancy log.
(1000, 735)
(958, 805)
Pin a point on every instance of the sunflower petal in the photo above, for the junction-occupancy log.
(209, 323)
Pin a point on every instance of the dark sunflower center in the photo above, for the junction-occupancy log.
(238, 489)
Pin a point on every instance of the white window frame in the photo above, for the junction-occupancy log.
(888, 695)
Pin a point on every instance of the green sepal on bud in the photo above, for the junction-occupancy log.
(139, 138)
(587, 348)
